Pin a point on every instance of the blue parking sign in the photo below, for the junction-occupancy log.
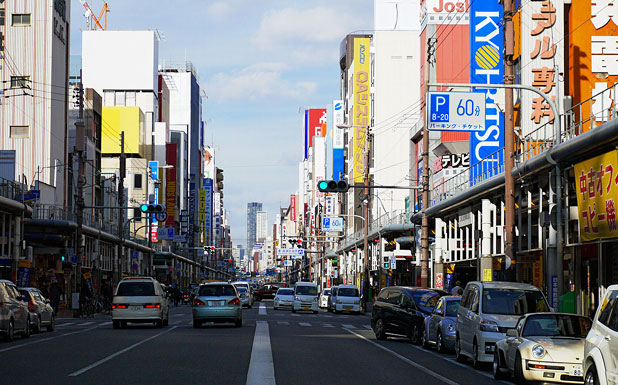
(441, 107)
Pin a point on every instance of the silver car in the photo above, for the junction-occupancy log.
(13, 312)
(217, 302)
(41, 312)
(246, 299)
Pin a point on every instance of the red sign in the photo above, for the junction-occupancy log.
(153, 235)
(316, 124)
(293, 207)
(170, 183)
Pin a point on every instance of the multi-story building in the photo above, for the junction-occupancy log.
(252, 210)
(261, 226)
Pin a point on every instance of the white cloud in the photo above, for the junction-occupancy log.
(219, 9)
(258, 82)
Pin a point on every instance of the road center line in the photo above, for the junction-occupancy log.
(407, 361)
(94, 365)
(261, 367)
(47, 339)
(262, 310)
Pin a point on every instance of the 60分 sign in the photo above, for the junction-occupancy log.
(456, 111)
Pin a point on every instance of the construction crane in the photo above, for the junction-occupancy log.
(93, 21)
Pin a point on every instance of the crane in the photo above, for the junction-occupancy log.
(91, 17)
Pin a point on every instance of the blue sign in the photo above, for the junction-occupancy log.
(23, 277)
(32, 195)
(135, 254)
(208, 183)
(441, 103)
(487, 67)
(456, 111)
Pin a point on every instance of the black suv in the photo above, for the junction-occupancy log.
(402, 310)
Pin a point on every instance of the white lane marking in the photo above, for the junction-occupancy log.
(327, 316)
(407, 361)
(261, 367)
(86, 323)
(94, 365)
(105, 323)
(177, 322)
(262, 310)
(65, 324)
(368, 327)
(328, 326)
(304, 324)
(46, 339)
(295, 315)
(348, 326)
(283, 323)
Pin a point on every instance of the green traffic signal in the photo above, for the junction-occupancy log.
(337, 186)
(323, 185)
(144, 208)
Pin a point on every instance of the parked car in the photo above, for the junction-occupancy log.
(40, 310)
(217, 302)
(601, 346)
(332, 299)
(402, 310)
(284, 298)
(543, 347)
(13, 312)
(305, 297)
(323, 301)
(439, 328)
(268, 291)
(487, 310)
(139, 300)
(347, 299)
(246, 299)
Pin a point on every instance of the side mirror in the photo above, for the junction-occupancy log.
(511, 333)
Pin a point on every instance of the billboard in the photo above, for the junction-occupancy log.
(338, 145)
(362, 104)
(127, 119)
(487, 67)
(170, 183)
(208, 192)
(447, 12)
(292, 207)
(202, 215)
(209, 162)
(315, 125)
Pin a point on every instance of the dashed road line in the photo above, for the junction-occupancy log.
(261, 367)
(348, 326)
(304, 324)
(262, 310)
(328, 326)
(283, 323)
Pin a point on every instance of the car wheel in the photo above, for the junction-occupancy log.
(10, 333)
(37, 325)
(379, 329)
(196, 324)
(497, 367)
(293, 311)
(123, 324)
(414, 337)
(440, 343)
(519, 371)
(26, 332)
(591, 377)
(238, 323)
(116, 324)
(166, 321)
(159, 323)
(424, 342)
(315, 312)
(52, 324)
(475, 356)
(458, 355)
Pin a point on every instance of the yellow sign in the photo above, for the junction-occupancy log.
(23, 263)
(487, 275)
(362, 104)
(596, 182)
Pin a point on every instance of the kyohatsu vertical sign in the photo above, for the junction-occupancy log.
(487, 67)
(362, 104)
(542, 58)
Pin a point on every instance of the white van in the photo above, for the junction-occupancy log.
(139, 299)
(305, 297)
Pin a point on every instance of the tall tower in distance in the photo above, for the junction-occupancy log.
(252, 210)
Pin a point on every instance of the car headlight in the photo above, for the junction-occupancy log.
(296, 298)
(538, 351)
(339, 302)
(489, 326)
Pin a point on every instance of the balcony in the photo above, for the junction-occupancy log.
(11, 189)
(53, 212)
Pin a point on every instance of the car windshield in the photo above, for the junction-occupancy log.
(135, 289)
(451, 308)
(306, 290)
(425, 300)
(557, 326)
(347, 292)
(513, 301)
(327, 292)
(217, 291)
(285, 292)
(241, 290)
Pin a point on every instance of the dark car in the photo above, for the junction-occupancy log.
(268, 291)
(440, 326)
(402, 310)
(13, 312)
(41, 312)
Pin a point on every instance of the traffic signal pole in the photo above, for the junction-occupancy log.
(123, 174)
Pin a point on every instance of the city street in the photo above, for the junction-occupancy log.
(306, 349)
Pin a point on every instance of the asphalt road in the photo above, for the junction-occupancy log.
(272, 347)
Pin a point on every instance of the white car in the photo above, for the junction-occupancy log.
(323, 302)
(284, 298)
(139, 300)
(305, 297)
(348, 299)
(601, 346)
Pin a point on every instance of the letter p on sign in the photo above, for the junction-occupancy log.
(440, 107)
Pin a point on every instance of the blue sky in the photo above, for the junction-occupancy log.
(259, 61)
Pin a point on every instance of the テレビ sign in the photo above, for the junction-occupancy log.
(456, 111)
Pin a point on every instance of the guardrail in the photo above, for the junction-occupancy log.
(11, 189)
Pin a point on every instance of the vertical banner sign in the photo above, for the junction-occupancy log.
(593, 58)
(487, 67)
(597, 193)
(315, 125)
(292, 207)
(154, 174)
(208, 189)
(362, 104)
(202, 216)
(338, 145)
(306, 133)
(170, 183)
(542, 58)
(192, 209)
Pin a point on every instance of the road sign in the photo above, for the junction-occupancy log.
(161, 216)
(294, 253)
(332, 224)
(456, 111)
(287, 263)
(165, 233)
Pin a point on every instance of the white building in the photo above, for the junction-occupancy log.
(262, 226)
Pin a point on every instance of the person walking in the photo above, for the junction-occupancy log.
(457, 290)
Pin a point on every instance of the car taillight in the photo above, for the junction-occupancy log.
(197, 302)
(119, 306)
(153, 306)
(235, 301)
(31, 306)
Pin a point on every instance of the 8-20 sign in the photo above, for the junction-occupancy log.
(456, 111)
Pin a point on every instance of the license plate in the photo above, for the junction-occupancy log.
(576, 370)
(216, 303)
(136, 308)
(305, 308)
(347, 307)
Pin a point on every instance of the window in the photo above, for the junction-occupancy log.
(513, 302)
(451, 308)
(20, 82)
(348, 292)
(609, 309)
(2, 13)
(394, 297)
(426, 299)
(217, 291)
(137, 181)
(438, 308)
(136, 289)
(473, 300)
(19, 132)
(22, 19)
(306, 290)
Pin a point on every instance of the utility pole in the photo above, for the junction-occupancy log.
(79, 148)
(509, 142)
(123, 174)
(366, 225)
(425, 157)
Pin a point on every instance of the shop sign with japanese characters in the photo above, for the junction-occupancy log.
(542, 58)
(596, 182)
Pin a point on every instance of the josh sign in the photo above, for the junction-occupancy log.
(456, 111)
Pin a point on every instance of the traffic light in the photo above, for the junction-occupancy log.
(336, 186)
(386, 262)
(210, 249)
(335, 262)
(152, 208)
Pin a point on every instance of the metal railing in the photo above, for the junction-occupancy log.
(11, 189)
(54, 212)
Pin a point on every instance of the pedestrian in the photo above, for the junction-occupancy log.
(54, 296)
(457, 290)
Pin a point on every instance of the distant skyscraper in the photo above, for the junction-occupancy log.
(261, 226)
(252, 210)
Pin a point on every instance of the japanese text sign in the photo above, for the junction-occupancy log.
(596, 182)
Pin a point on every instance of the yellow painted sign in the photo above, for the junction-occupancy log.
(487, 275)
(596, 183)
(23, 263)
(362, 104)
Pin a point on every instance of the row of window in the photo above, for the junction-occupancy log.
(17, 19)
